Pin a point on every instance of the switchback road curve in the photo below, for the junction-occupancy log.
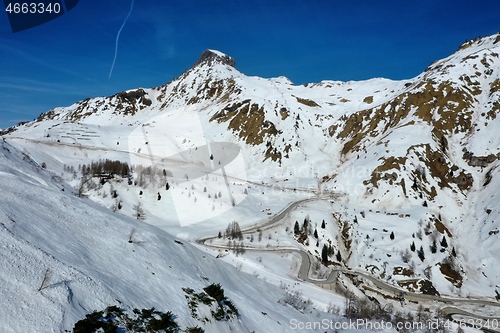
(303, 274)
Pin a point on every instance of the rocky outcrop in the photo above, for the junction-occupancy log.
(479, 161)
(209, 57)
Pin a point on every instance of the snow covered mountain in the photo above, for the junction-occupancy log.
(412, 165)
(63, 257)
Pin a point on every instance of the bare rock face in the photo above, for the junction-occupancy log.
(210, 57)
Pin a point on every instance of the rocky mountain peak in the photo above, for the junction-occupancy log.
(210, 57)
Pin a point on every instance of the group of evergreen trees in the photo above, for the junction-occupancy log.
(305, 227)
(106, 167)
(329, 251)
(433, 248)
(115, 319)
(233, 231)
(151, 175)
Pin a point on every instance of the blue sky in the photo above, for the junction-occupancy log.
(69, 58)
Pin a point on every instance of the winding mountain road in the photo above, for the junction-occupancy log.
(449, 310)
(303, 274)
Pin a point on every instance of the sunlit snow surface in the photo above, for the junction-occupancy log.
(93, 265)
(180, 137)
(183, 151)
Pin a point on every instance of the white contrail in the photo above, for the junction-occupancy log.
(118, 36)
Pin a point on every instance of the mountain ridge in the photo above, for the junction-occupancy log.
(424, 147)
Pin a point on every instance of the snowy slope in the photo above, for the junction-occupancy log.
(93, 265)
(433, 146)
(418, 158)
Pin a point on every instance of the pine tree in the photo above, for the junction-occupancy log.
(167, 187)
(453, 253)
(324, 255)
(296, 228)
(421, 254)
(339, 256)
(316, 233)
(412, 247)
(323, 225)
(444, 243)
(433, 247)
(392, 235)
